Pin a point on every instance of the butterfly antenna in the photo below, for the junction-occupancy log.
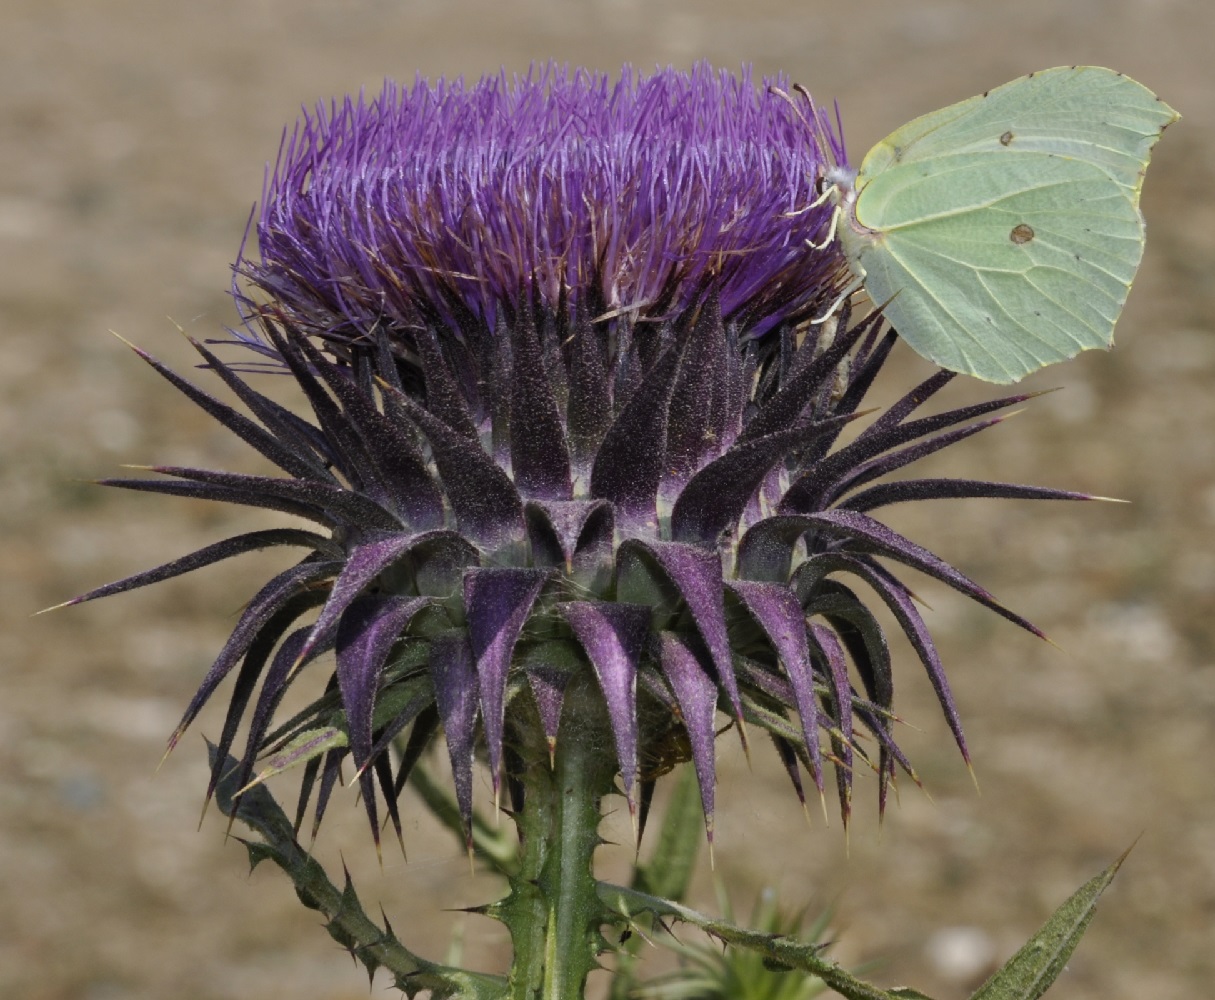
(828, 191)
(793, 104)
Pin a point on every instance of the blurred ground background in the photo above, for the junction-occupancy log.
(133, 135)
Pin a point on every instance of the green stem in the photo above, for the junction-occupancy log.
(524, 911)
(553, 911)
(569, 879)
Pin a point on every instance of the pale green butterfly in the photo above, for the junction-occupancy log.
(1002, 233)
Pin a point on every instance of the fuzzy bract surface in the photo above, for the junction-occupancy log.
(567, 425)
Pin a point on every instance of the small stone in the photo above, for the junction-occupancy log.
(960, 954)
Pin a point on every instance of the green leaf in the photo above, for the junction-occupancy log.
(1030, 972)
(258, 852)
(308, 744)
(347, 921)
(782, 949)
(707, 971)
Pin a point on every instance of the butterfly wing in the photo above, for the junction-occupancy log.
(1004, 231)
(993, 265)
(1086, 113)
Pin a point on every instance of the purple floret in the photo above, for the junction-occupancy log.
(444, 203)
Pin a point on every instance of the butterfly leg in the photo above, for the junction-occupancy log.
(835, 218)
(827, 193)
(840, 299)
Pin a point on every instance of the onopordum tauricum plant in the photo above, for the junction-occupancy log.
(586, 491)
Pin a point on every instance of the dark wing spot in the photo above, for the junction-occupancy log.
(1006, 138)
(1021, 233)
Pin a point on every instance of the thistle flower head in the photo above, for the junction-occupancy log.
(571, 432)
(451, 206)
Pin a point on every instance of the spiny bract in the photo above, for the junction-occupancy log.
(570, 425)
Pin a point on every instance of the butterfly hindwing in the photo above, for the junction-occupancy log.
(1028, 272)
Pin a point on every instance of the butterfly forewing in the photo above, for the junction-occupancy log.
(1083, 112)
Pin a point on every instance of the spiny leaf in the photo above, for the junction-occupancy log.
(345, 449)
(780, 615)
(452, 666)
(307, 745)
(834, 473)
(1031, 971)
(255, 660)
(716, 496)
(443, 396)
(785, 408)
(355, 508)
(559, 530)
(298, 462)
(672, 862)
(589, 411)
(223, 494)
(899, 600)
(696, 576)
(698, 412)
(862, 635)
(363, 564)
(494, 843)
(782, 949)
(824, 642)
(268, 602)
(294, 432)
(550, 666)
(899, 411)
(365, 637)
(908, 490)
(405, 482)
(286, 661)
(766, 550)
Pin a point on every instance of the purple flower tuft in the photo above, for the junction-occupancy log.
(444, 203)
